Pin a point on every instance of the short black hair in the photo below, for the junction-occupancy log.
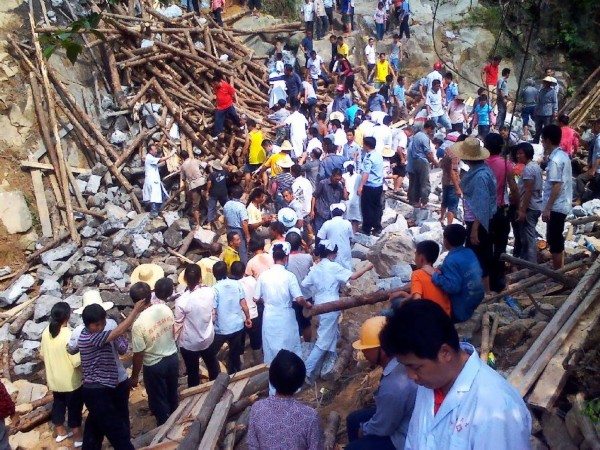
(192, 275)
(251, 122)
(370, 142)
(184, 154)
(336, 171)
(494, 143)
(418, 327)
(256, 243)
(429, 249)
(236, 191)
(93, 313)
(497, 58)
(215, 249)
(237, 270)
(429, 124)
(503, 128)
(455, 234)
(323, 252)
(336, 123)
(163, 288)
(296, 170)
(287, 372)
(220, 270)
(288, 67)
(387, 120)
(278, 227)
(564, 119)
(553, 133)
(436, 82)
(526, 148)
(448, 76)
(389, 78)
(231, 235)
(505, 71)
(218, 76)
(316, 153)
(278, 252)
(295, 240)
(140, 291)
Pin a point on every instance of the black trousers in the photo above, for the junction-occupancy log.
(254, 333)
(161, 381)
(108, 416)
(191, 360)
(236, 348)
(483, 250)
(71, 402)
(404, 28)
(370, 203)
(499, 231)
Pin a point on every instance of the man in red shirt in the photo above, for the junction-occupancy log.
(489, 77)
(225, 94)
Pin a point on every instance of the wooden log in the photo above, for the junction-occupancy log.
(331, 430)
(34, 418)
(115, 80)
(240, 428)
(341, 363)
(198, 428)
(495, 325)
(579, 91)
(354, 301)
(145, 439)
(24, 316)
(175, 417)
(242, 404)
(485, 337)
(590, 434)
(247, 373)
(40, 201)
(187, 241)
(539, 268)
(521, 377)
(561, 353)
(140, 138)
(44, 166)
(148, 84)
(86, 211)
(584, 220)
(46, 399)
(217, 421)
(256, 384)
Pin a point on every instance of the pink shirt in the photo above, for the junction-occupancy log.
(500, 167)
(258, 264)
(569, 141)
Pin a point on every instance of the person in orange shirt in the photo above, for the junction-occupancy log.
(421, 285)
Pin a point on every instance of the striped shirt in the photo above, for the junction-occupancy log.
(97, 360)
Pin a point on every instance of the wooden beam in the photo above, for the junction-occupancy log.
(42, 205)
(43, 166)
(212, 435)
(540, 268)
(354, 301)
(247, 373)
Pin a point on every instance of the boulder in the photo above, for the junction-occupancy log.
(402, 271)
(115, 212)
(87, 232)
(50, 286)
(390, 283)
(173, 238)
(23, 355)
(157, 225)
(111, 226)
(388, 217)
(59, 253)
(431, 225)
(359, 251)
(363, 239)
(391, 249)
(33, 331)
(592, 207)
(206, 237)
(93, 184)
(14, 213)
(80, 281)
(511, 335)
(23, 370)
(5, 334)
(436, 236)
(170, 217)
(18, 288)
(182, 225)
(365, 284)
(25, 441)
(140, 243)
(81, 267)
(43, 305)
(139, 222)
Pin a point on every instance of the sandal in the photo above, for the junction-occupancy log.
(64, 436)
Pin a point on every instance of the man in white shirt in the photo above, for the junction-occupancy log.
(298, 125)
(339, 136)
(303, 192)
(371, 56)
(339, 231)
(435, 74)
(316, 69)
(435, 106)
(383, 134)
(461, 402)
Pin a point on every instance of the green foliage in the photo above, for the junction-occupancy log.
(289, 9)
(488, 17)
(592, 410)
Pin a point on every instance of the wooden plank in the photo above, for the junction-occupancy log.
(58, 195)
(179, 429)
(518, 376)
(237, 388)
(212, 434)
(173, 418)
(44, 166)
(41, 151)
(235, 377)
(42, 205)
(555, 375)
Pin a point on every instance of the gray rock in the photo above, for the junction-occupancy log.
(113, 271)
(122, 124)
(14, 213)
(118, 137)
(391, 249)
(140, 244)
(115, 212)
(367, 241)
(87, 232)
(93, 184)
(18, 288)
(81, 184)
(43, 305)
(206, 237)
(49, 286)
(388, 217)
(592, 207)
(98, 200)
(173, 238)
(23, 355)
(87, 279)
(431, 225)
(578, 211)
(74, 301)
(402, 271)
(158, 237)
(45, 273)
(5, 334)
(421, 215)
(138, 223)
(157, 225)
(32, 345)
(167, 268)
(118, 298)
(390, 283)
(106, 102)
(93, 244)
(182, 225)
(359, 251)
(5, 271)
(111, 226)
(23, 370)
(33, 331)
(59, 253)
(90, 251)
(81, 267)
(170, 217)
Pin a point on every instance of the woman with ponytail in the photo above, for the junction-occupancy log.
(63, 375)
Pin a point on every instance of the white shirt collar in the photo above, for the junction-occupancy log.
(390, 366)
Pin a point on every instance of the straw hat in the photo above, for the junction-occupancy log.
(372, 90)
(387, 151)
(462, 97)
(287, 146)
(550, 80)
(470, 150)
(93, 298)
(288, 217)
(216, 164)
(180, 279)
(148, 273)
(337, 115)
(285, 163)
(399, 124)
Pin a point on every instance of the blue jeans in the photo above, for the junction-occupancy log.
(443, 121)
(368, 442)
(221, 115)
(449, 198)
(396, 63)
(483, 131)
(380, 30)
(212, 207)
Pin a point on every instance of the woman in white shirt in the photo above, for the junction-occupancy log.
(194, 315)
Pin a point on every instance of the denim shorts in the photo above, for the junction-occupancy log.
(251, 167)
(450, 198)
(526, 114)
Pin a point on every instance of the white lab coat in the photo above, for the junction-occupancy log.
(154, 190)
(481, 411)
(324, 281)
(278, 287)
(339, 231)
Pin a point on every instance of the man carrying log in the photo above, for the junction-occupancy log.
(225, 95)
(192, 174)
(461, 402)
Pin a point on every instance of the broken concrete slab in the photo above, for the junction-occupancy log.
(206, 237)
(33, 331)
(115, 212)
(93, 184)
(18, 288)
(111, 226)
(43, 305)
(14, 213)
(59, 253)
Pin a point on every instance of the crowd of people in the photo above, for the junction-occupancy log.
(290, 217)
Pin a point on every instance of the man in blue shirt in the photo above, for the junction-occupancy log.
(236, 219)
(481, 116)
(293, 83)
(399, 99)
(370, 189)
(421, 156)
(451, 88)
(406, 12)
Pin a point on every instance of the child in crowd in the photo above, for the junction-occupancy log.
(163, 289)
(459, 275)
(421, 285)
(63, 376)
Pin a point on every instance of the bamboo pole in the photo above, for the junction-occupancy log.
(354, 301)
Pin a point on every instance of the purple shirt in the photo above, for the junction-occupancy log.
(278, 423)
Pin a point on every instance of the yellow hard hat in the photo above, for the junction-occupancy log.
(369, 333)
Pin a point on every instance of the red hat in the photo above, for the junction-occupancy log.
(340, 88)
(437, 65)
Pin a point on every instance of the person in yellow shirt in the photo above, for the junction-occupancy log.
(206, 264)
(231, 253)
(253, 149)
(382, 69)
(63, 375)
(271, 163)
(342, 48)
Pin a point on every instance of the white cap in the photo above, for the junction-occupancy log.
(341, 206)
